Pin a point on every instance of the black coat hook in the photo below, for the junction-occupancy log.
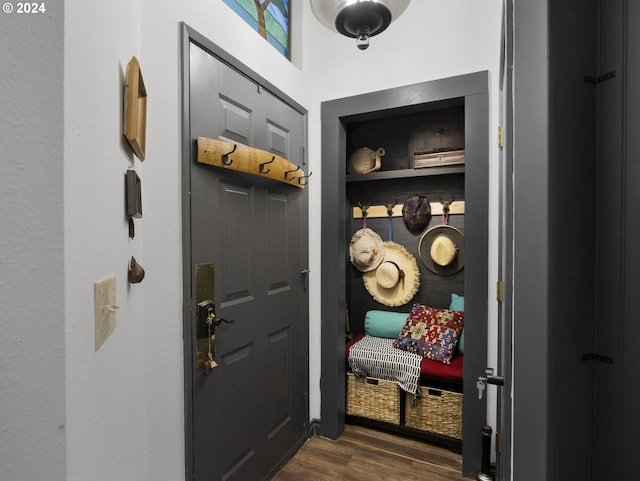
(305, 177)
(286, 174)
(390, 206)
(267, 170)
(446, 204)
(225, 157)
(364, 209)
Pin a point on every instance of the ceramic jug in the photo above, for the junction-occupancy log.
(365, 160)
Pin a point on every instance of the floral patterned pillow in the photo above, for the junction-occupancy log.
(431, 332)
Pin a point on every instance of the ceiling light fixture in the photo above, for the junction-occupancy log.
(359, 19)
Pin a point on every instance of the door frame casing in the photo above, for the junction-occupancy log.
(505, 250)
(474, 87)
(190, 36)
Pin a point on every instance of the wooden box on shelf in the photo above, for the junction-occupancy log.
(436, 159)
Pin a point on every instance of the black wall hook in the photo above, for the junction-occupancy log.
(305, 177)
(267, 170)
(446, 204)
(365, 209)
(286, 174)
(225, 157)
(390, 206)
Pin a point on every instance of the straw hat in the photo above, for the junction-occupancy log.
(365, 250)
(441, 249)
(397, 278)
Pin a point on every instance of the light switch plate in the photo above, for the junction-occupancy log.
(104, 295)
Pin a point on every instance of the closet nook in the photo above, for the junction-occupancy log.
(434, 140)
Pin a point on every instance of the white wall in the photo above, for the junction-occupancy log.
(124, 403)
(125, 406)
(107, 407)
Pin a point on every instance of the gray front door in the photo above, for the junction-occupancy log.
(250, 411)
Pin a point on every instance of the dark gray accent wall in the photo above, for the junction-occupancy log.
(531, 243)
(572, 188)
(576, 177)
(610, 250)
(629, 351)
(554, 238)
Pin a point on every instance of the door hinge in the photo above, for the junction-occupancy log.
(600, 78)
(500, 137)
(498, 443)
(499, 291)
(592, 356)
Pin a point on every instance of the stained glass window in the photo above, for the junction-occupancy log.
(270, 18)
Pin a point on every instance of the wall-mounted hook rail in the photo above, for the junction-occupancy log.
(249, 160)
(286, 174)
(262, 166)
(380, 211)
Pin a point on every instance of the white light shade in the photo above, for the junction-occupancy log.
(358, 19)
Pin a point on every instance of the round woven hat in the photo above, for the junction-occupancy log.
(441, 249)
(366, 250)
(397, 278)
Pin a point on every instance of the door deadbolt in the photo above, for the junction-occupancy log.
(206, 319)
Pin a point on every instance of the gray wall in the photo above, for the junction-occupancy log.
(572, 188)
(32, 360)
(577, 169)
(618, 394)
(610, 243)
(531, 243)
(630, 388)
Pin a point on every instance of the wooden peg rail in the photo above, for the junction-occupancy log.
(377, 211)
(229, 155)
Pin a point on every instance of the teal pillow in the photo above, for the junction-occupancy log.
(457, 304)
(386, 324)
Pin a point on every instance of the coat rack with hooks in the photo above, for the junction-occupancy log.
(378, 211)
(229, 155)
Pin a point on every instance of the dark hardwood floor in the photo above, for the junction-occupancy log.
(363, 453)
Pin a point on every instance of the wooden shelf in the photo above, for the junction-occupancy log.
(405, 173)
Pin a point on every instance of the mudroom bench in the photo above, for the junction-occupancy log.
(427, 405)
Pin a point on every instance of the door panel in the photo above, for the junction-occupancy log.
(277, 139)
(277, 260)
(238, 255)
(250, 411)
(235, 121)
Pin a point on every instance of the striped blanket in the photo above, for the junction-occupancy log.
(376, 357)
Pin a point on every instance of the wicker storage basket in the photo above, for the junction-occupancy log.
(437, 411)
(373, 398)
